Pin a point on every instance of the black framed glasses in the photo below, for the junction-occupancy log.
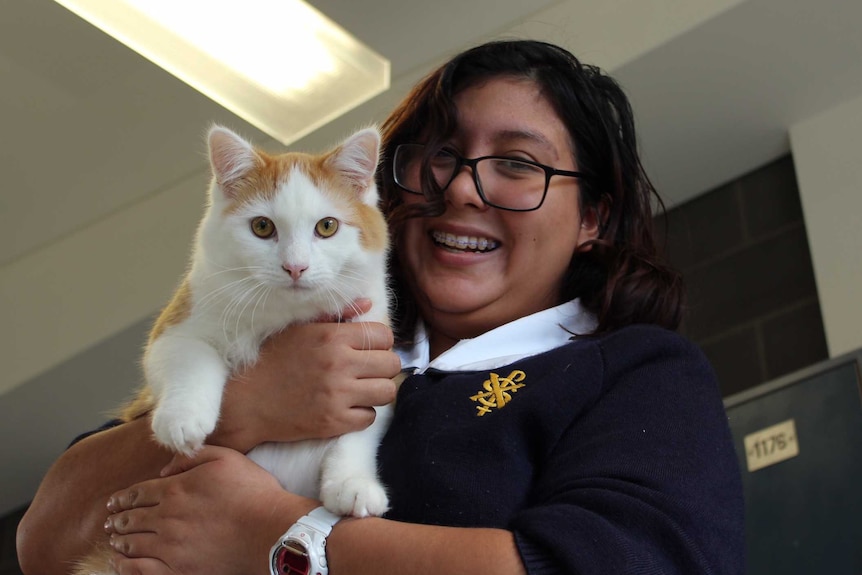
(506, 183)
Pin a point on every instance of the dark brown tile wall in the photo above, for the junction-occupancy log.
(8, 556)
(752, 298)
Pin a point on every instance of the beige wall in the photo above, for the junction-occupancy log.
(827, 151)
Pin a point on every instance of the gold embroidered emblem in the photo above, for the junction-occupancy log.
(498, 391)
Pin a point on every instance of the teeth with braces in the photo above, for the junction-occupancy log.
(464, 242)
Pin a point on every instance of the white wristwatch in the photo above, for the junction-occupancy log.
(302, 549)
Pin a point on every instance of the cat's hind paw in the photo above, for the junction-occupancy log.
(184, 433)
(356, 496)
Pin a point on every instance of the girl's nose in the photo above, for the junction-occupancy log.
(463, 191)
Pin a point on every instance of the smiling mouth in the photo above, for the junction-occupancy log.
(463, 243)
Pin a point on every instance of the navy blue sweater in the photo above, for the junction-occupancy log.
(606, 455)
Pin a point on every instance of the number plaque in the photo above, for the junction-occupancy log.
(771, 445)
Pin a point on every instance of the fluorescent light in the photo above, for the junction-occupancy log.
(279, 64)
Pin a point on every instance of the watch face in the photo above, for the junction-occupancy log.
(291, 559)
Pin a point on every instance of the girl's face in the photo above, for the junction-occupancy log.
(464, 292)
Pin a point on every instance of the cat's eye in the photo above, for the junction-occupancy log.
(263, 227)
(326, 227)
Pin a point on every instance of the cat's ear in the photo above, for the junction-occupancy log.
(356, 159)
(231, 157)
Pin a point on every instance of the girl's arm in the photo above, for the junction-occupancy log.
(314, 380)
(68, 512)
(219, 514)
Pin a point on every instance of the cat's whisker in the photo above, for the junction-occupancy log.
(253, 296)
(235, 312)
(260, 300)
(230, 309)
(235, 269)
(352, 285)
(241, 304)
(353, 276)
(211, 264)
(332, 306)
(229, 285)
(341, 302)
(356, 284)
(216, 294)
(350, 303)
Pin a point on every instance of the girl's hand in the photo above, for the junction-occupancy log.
(219, 503)
(313, 380)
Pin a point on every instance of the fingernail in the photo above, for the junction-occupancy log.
(112, 504)
(108, 525)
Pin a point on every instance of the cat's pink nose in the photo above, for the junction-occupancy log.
(295, 270)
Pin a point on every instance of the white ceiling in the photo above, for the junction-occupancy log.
(97, 145)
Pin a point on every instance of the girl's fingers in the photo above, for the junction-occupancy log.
(135, 496)
(148, 493)
(140, 566)
(181, 463)
(133, 545)
(128, 522)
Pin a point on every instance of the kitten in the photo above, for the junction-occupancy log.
(285, 239)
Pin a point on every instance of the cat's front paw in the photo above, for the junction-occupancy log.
(356, 496)
(184, 431)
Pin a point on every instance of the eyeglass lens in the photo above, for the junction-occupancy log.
(502, 182)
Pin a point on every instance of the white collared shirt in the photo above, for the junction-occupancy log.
(524, 337)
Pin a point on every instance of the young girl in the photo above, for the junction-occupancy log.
(552, 423)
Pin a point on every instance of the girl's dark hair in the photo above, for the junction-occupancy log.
(619, 276)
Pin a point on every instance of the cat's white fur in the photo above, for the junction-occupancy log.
(241, 294)
(239, 290)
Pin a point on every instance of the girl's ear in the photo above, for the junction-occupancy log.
(593, 220)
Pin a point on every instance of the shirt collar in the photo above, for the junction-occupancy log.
(524, 337)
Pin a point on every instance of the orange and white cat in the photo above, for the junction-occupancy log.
(285, 239)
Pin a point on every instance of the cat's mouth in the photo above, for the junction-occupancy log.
(463, 243)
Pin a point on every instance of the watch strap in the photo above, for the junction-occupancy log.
(302, 548)
(320, 519)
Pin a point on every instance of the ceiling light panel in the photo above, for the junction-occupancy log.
(279, 64)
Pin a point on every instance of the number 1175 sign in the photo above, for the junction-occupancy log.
(771, 445)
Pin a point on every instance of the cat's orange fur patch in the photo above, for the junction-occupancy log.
(176, 311)
(143, 403)
(98, 562)
(273, 170)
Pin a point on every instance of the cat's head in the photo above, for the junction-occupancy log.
(295, 222)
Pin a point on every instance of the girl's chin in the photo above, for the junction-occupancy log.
(457, 296)
(468, 306)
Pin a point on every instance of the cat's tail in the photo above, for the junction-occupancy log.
(96, 563)
(142, 404)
